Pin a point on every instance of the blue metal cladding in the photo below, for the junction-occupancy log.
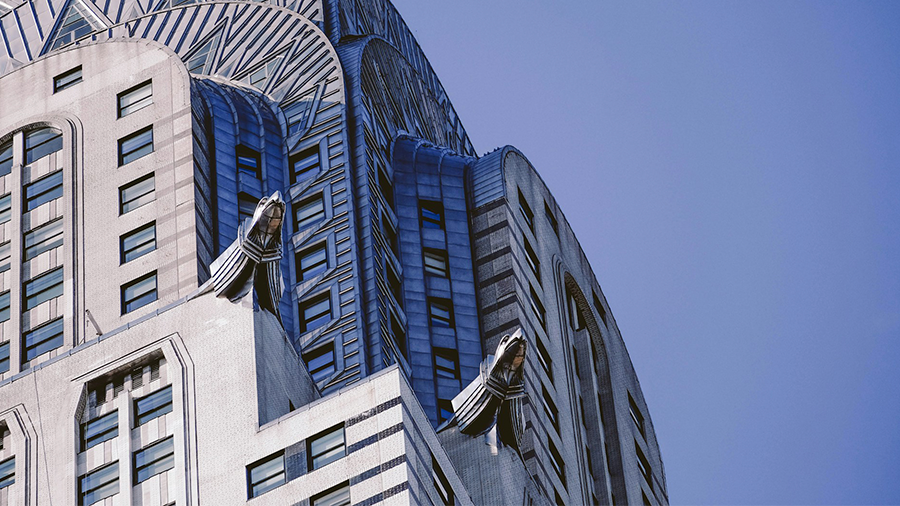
(423, 172)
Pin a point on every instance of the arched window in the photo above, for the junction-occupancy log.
(42, 142)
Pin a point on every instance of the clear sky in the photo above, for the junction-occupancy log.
(732, 170)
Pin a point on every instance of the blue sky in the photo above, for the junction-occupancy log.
(732, 170)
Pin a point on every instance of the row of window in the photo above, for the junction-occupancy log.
(155, 458)
(321, 450)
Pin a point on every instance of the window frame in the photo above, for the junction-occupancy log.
(66, 80)
(106, 434)
(441, 483)
(8, 472)
(32, 202)
(434, 207)
(326, 453)
(251, 493)
(127, 303)
(4, 356)
(312, 219)
(54, 143)
(450, 355)
(332, 495)
(525, 210)
(245, 152)
(306, 169)
(166, 459)
(138, 152)
(124, 253)
(33, 300)
(56, 227)
(137, 105)
(440, 321)
(436, 255)
(128, 186)
(81, 479)
(6, 162)
(319, 319)
(320, 266)
(142, 416)
(327, 368)
(56, 340)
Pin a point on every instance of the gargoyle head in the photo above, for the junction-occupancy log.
(268, 217)
(509, 360)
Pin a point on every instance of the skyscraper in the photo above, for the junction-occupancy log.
(160, 346)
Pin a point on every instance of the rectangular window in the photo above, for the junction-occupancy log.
(4, 357)
(155, 459)
(551, 218)
(532, 259)
(137, 193)
(265, 475)
(636, 415)
(335, 496)
(326, 447)
(135, 99)
(139, 293)
(315, 312)
(550, 408)
(436, 263)
(42, 142)
(47, 337)
(446, 363)
(441, 483)
(311, 261)
(440, 312)
(309, 212)
(526, 211)
(445, 410)
(538, 308)
(5, 208)
(4, 306)
(136, 145)
(320, 362)
(643, 464)
(599, 307)
(152, 406)
(67, 79)
(246, 206)
(305, 165)
(6, 158)
(7, 472)
(44, 238)
(99, 430)
(43, 190)
(544, 358)
(98, 484)
(43, 288)
(432, 214)
(5, 254)
(248, 161)
(559, 465)
(137, 243)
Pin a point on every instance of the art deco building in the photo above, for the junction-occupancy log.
(163, 342)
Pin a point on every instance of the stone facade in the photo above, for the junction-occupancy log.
(136, 136)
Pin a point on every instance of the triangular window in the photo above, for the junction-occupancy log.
(76, 25)
(199, 62)
(260, 76)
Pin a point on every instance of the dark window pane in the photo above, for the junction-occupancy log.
(138, 242)
(305, 165)
(67, 79)
(311, 262)
(315, 312)
(327, 447)
(338, 496)
(43, 339)
(99, 430)
(6, 158)
(5, 208)
(44, 238)
(266, 475)
(4, 357)
(4, 306)
(320, 362)
(139, 293)
(99, 484)
(432, 214)
(157, 458)
(135, 99)
(135, 194)
(153, 406)
(43, 190)
(40, 143)
(136, 145)
(43, 288)
(309, 212)
(7, 472)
